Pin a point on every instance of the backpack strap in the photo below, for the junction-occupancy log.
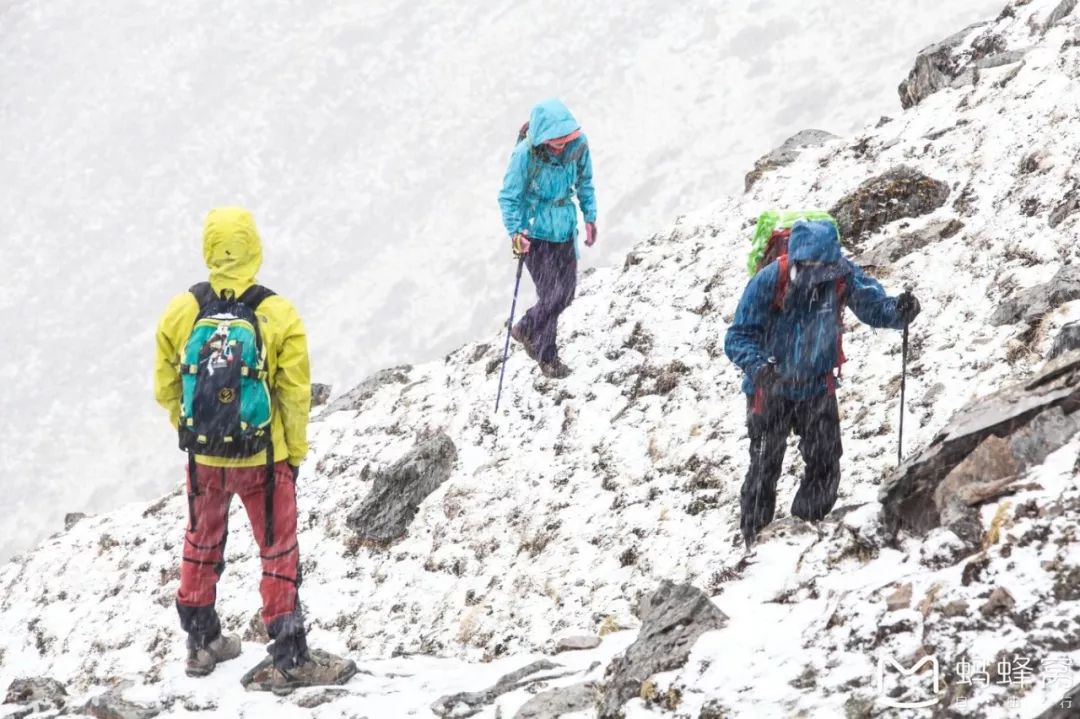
(254, 295)
(204, 294)
(841, 298)
(780, 293)
(268, 494)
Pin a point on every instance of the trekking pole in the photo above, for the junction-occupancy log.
(903, 387)
(509, 325)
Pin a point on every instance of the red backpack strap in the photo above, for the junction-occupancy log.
(774, 248)
(780, 293)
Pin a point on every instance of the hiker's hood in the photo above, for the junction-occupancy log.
(814, 240)
(549, 120)
(231, 248)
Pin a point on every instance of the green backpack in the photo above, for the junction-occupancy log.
(772, 232)
(225, 400)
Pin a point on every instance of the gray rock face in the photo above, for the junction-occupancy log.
(673, 617)
(899, 193)
(1058, 14)
(786, 153)
(36, 690)
(555, 703)
(466, 704)
(1068, 205)
(386, 512)
(984, 449)
(896, 247)
(320, 393)
(1068, 339)
(935, 68)
(355, 398)
(1032, 303)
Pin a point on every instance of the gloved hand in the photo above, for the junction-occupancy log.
(766, 377)
(907, 307)
(520, 243)
(590, 234)
(295, 471)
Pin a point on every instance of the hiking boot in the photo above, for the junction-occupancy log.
(202, 661)
(319, 669)
(554, 369)
(520, 337)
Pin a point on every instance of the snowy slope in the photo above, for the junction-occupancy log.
(369, 139)
(585, 493)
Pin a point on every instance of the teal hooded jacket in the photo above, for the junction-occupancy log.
(539, 186)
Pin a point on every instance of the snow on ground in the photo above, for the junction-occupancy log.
(582, 494)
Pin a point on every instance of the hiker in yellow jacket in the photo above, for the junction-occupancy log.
(212, 377)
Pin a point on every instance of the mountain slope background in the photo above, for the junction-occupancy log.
(574, 502)
(370, 140)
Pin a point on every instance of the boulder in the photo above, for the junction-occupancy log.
(324, 696)
(320, 394)
(560, 701)
(901, 192)
(895, 247)
(1031, 304)
(1068, 339)
(577, 644)
(673, 617)
(36, 690)
(396, 492)
(899, 599)
(1067, 206)
(985, 447)
(111, 705)
(355, 398)
(935, 68)
(1000, 601)
(73, 518)
(786, 154)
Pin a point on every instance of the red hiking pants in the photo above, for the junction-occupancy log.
(204, 546)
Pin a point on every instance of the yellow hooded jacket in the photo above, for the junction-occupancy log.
(233, 253)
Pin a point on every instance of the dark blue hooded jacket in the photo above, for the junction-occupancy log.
(803, 336)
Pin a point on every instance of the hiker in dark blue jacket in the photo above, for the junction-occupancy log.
(786, 337)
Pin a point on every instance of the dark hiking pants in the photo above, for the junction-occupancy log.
(553, 267)
(817, 423)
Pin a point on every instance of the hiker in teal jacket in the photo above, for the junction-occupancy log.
(548, 167)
